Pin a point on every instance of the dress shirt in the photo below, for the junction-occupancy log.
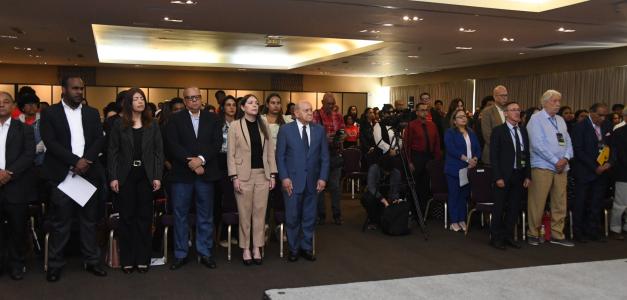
(300, 130)
(75, 122)
(544, 147)
(416, 141)
(4, 132)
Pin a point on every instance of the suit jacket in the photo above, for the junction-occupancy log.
(55, 132)
(502, 152)
(183, 143)
(490, 118)
(456, 147)
(586, 150)
(619, 154)
(304, 169)
(120, 152)
(19, 157)
(238, 155)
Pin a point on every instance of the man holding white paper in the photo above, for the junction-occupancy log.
(73, 135)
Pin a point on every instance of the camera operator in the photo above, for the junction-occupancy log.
(382, 177)
(385, 139)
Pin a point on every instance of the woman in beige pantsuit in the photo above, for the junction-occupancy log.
(252, 168)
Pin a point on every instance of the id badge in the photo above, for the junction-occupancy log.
(523, 163)
(560, 139)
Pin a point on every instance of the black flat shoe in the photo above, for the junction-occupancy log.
(207, 261)
(143, 269)
(512, 243)
(292, 257)
(127, 269)
(96, 270)
(53, 275)
(308, 255)
(178, 263)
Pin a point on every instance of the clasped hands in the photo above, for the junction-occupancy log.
(195, 165)
(472, 162)
(289, 188)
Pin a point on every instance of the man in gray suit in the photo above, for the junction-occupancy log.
(491, 117)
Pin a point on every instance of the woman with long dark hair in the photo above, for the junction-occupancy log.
(228, 110)
(135, 165)
(252, 168)
(455, 105)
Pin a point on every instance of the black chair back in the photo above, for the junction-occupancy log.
(352, 160)
(480, 185)
(435, 168)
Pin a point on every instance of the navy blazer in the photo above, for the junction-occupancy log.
(502, 152)
(455, 146)
(304, 169)
(586, 150)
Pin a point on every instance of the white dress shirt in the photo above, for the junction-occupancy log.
(300, 130)
(377, 132)
(75, 122)
(4, 132)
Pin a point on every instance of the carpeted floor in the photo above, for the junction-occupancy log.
(345, 255)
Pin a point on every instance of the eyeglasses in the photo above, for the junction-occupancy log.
(461, 117)
(502, 95)
(193, 97)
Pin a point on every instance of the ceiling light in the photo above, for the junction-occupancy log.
(188, 2)
(519, 5)
(414, 18)
(167, 19)
(412, 56)
(463, 48)
(375, 31)
(28, 49)
(521, 53)
(508, 40)
(468, 30)
(8, 37)
(406, 69)
(365, 30)
(387, 25)
(406, 18)
(567, 30)
(390, 7)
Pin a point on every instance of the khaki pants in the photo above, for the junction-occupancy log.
(542, 182)
(251, 206)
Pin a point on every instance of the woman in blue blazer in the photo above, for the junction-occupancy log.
(462, 151)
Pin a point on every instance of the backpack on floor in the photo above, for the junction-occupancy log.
(395, 219)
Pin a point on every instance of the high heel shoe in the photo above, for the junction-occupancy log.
(258, 260)
(247, 262)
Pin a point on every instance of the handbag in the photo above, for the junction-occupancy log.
(395, 219)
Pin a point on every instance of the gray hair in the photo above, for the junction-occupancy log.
(549, 94)
(8, 95)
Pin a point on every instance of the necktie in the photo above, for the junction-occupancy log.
(518, 149)
(305, 139)
(426, 133)
(597, 130)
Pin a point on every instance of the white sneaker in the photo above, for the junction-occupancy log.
(463, 226)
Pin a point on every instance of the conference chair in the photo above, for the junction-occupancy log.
(480, 179)
(439, 189)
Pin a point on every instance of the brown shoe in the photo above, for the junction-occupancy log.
(616, 236)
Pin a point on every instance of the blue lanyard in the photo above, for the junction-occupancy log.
(554, 123)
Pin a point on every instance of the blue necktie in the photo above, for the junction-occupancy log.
(305, 139)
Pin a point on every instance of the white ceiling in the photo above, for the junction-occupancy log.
(49, 26)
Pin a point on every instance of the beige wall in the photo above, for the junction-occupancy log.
(568, 62)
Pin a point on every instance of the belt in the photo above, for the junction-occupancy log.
(137, 163)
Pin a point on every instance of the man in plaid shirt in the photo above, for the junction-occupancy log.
(332, 122)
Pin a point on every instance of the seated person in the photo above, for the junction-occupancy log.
(382, 176)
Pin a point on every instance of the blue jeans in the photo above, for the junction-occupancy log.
(181, 203)
(457, 199)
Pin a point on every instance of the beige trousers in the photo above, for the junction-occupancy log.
(544, 182)
(252, 203)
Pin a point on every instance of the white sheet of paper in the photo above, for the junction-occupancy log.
(463, 177)
(77, 188)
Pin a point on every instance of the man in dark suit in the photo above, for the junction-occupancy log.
(194, 138)
(591, 179)
(509, 148)
(17, 152)
(302, 155)
(73, 135)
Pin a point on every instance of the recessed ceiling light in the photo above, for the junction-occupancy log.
(187, 2)
(28, 49)
(414, 18)
(463, 48)
(8, 37)
(412, 56)
(375, 31)
(468, 30)
(45, 62)
(507, 40)
(365, 30)
(387, 24)
(390, 7)
(567, 30)
(406, 69)
(521, 53)
(168, 19)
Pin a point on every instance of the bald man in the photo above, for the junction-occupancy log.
(302, 155)
(491, 117)
(194, 139)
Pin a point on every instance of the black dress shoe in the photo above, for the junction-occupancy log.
(513, 244)
(308, 255)
(143, 269)
(207, 261)
(53, 275)
(497, 244)
(96, 270)
(178, 263)
(292, 257)
(17, 273)
(127, 269)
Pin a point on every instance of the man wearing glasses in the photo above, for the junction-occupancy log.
(194, 138)
(491, 117)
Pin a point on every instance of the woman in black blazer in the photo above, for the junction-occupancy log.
(135, 162)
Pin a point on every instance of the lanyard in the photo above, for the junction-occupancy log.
(554, 123)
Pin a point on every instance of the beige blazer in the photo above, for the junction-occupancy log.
(238, 151)
(490, 118)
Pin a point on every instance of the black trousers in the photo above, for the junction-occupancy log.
(62, 213)
(507, 201)
(135, 202)
(588, 204)
(421, 177)
(13, 234)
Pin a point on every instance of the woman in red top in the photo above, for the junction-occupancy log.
(352, 132)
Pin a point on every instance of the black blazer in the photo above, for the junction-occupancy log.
(120, 152)
(55, 132)
(619, 154)
(20, 154)
(502, 150)
(182, 143)
(586, 150)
